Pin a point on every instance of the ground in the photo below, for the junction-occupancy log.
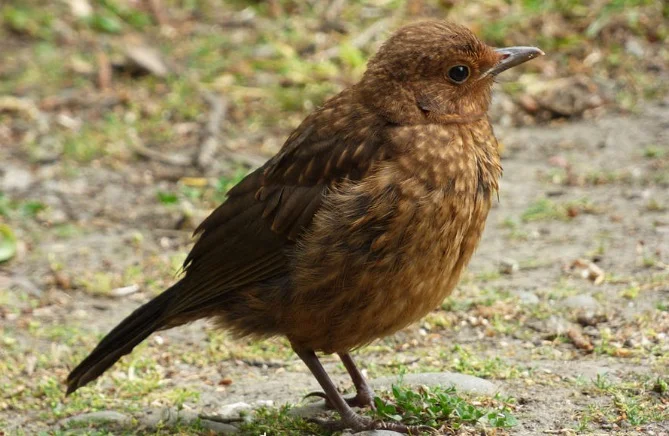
(122, 124)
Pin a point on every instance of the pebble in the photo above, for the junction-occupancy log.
(508, 266)
(15, 179)
(581, 303)
(556, 325)
(219, 427)
(101, 416)
(527, 298)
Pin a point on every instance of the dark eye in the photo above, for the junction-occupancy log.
(458, 73)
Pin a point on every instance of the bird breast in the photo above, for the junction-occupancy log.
(391, 247)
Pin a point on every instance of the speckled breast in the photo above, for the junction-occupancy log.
(396, 244)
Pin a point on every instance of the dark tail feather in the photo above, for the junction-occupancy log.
(120, 341)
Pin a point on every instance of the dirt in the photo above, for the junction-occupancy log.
(565, 306)
(616, 228)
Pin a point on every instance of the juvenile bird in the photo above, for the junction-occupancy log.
(360, 225)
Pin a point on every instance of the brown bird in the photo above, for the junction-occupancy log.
(359, 226)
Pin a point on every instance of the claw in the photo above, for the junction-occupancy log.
(360, 400)
(316, 394)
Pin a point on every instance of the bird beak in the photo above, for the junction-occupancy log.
(512, 56)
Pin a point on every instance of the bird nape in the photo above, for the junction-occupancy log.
(360, 225)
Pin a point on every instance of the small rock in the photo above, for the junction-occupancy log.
(508, 266)
(581, 303)
(81, 8)
(551, 327)
(219, 427)
(565, 97)
(462, 382)
(102, 416)
(556, 325)
(166, 417)
(633, 46)
(232, 410)
(309, 410)
(147, 59)
(15, 179)
(527, 298)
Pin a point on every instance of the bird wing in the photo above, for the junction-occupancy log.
(245, 240)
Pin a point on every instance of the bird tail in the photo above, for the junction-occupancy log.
(123, 338)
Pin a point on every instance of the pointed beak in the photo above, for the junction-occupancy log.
(512, 56)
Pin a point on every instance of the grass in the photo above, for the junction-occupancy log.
(632, 403)
(544, 209)
(439, 407)
(269, 71)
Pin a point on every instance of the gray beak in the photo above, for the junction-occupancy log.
(512, 56)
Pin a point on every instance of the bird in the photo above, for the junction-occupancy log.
(360, 225)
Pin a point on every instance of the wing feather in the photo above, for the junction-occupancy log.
(247, 240)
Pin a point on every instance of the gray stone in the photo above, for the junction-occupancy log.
(167, 416)
(508, 266)
(170, 416)
(15, 179)
(219, 427)
(309, 410)
(101, 416)
(233, 410)
(462, 382)
(527, 298)
(555, 325)
(581, 303)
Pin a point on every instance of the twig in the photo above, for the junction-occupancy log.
(170, 159)
(211, 140)
(124, 291)
(104, 71)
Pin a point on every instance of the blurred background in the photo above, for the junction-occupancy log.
(123, 123)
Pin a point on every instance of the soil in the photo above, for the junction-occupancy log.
(617, 222)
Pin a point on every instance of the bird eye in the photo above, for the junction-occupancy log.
(458, 73)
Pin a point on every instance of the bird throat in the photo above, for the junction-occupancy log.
(437, 118)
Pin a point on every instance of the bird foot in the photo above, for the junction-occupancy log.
(362, 423)
(361, 399)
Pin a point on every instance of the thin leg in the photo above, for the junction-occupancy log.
(350, 419)
(364, 394)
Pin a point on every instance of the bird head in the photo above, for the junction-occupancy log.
(436, 71)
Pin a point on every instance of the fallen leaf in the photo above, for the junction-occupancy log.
(147, 59)
(587, 270)
(580, 341)
(124, 291)
(7, 243)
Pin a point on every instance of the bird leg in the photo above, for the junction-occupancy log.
(349, 419)
(364, 396)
